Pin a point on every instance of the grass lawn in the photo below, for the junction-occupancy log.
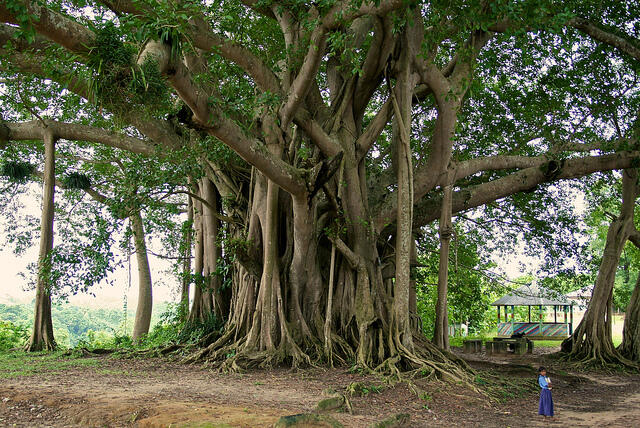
(18, 364)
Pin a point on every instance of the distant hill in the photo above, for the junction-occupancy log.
(72, 323)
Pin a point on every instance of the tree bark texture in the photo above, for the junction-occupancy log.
(42, 333)
(591, 341)
(145, 298)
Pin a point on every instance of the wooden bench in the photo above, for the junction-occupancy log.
(472, 346)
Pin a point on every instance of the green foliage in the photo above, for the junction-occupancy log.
(76, 180)
(120, 83)
(12, 335)
(363, 389)
(96, 339)
(109, 50)
(171, 328)
(17, 171)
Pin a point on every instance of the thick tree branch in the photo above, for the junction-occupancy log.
(204, 38)
(307, 74)
(160, 131)
(524, 180)
(354, 259)
(634, 237)
(606, 37)
(328, 145)
(70, 131)
(55, 26)
(491, 163)
(217, 124)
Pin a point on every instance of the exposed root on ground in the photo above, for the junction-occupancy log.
(598, 361)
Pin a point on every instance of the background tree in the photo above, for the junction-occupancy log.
(42, 334)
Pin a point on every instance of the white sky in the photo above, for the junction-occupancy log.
(165, 287)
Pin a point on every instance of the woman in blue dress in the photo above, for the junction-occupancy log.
(546, 401)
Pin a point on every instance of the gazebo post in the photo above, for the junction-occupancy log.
(571, 323)
(555, 315)
(499, 314)
(540, 325)
(513, 311)
(529, 313)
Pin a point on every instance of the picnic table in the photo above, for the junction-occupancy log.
(472, 346)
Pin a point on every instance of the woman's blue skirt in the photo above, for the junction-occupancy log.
(546, 403)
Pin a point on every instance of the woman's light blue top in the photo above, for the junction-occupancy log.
(542, 381)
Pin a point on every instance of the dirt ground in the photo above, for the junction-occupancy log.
(114, 392)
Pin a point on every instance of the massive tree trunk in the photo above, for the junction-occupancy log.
(42, 334)
(591, 341)
(280, 311)
(441, 330)
(630, 346)
(145, 298)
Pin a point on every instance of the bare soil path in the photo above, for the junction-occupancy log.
(51, 391)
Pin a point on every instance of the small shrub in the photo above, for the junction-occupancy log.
(172, 329)
(12, 335)
(96, 339)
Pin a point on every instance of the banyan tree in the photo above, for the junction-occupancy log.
(317, 138)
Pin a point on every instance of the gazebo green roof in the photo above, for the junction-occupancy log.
(533, 295)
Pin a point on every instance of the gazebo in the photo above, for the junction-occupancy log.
(536, 296)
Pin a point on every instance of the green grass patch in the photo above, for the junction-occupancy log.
(547, 344)
(22, 364)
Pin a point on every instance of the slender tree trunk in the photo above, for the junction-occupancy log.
(42, 334)
(441, 331)
(219, 298)
(186, 263)
(630, 346)
(416, 321)
(592, 341)
(145, 299)
(202, 304)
